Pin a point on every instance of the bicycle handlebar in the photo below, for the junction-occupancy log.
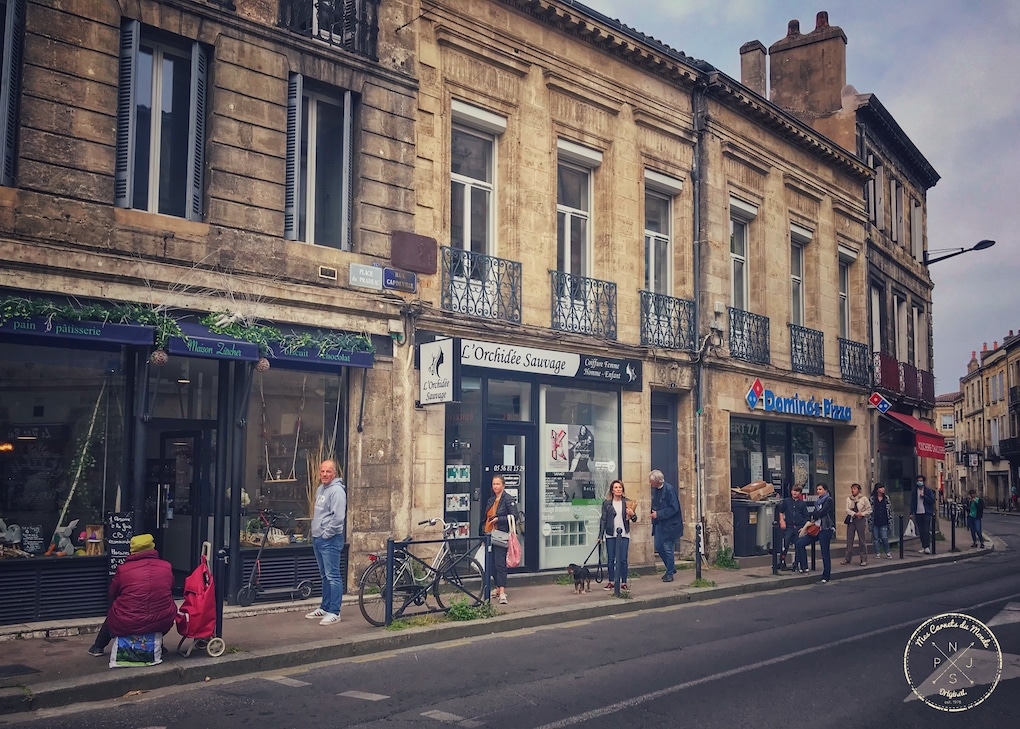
(439, 520)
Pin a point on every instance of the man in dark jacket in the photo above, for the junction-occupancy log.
(140, 596)
(793, 515)
(922, 509)
(667, 521)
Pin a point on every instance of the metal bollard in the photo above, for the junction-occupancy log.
(901, 535)
(931, 539)
(777, 544)
(813, 555)
(952, 540)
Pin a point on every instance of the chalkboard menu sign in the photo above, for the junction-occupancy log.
(118, 539)
(32, 540)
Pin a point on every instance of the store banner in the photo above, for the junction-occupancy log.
(89, 331)
(438, 372)
(622, 373)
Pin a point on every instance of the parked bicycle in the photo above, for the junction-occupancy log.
(450, 577)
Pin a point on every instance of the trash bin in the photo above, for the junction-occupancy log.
(745, 527)
(766, 518)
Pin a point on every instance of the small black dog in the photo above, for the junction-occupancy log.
(582, 578)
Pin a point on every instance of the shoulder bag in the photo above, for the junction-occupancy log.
(513, 549)
(812, 529)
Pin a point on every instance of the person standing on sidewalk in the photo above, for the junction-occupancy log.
(825, 516)
(858, 508)
(617, 514)
(329, 524)
(975, 513)
(667, 521)
(881, 517)
(498, 511)
(792, 517)
(922, 509)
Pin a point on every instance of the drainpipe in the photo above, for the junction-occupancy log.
(698, 180)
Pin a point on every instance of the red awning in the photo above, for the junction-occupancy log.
(929, 442)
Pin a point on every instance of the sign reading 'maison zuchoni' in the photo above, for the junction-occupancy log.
(623, 373)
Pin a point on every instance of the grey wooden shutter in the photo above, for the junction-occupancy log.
(123, 180)
(295, 90)
(347, 194)
(9, 85)
(196, 132)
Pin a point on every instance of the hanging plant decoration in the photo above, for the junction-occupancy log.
(262, 365)
(159, 357)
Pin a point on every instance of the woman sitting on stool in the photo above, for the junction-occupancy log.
(140, 596)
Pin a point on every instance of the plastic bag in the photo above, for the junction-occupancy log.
(909, 530)
(137, 650)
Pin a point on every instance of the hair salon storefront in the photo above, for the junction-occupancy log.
(102, 437)
(547, 421)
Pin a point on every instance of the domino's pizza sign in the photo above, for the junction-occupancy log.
(812, 407)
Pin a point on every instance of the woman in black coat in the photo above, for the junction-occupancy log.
(501, 506)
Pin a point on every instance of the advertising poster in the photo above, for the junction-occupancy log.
(821, 457)
(556, 459)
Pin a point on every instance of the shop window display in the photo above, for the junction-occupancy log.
(580, 445)
(296, 420)
(61, 449)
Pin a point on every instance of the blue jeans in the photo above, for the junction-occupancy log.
(976, 534)
(327, 556)
(665, 548)
(880, 538)
(824, 540)
(614, 544)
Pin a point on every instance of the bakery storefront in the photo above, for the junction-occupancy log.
(548, 421)
(104, 433)
(788, 437)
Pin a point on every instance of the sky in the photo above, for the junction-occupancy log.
(947, 72)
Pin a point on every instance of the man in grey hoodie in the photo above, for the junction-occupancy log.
(329, 521)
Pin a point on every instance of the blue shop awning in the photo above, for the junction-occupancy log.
(97, 332)
(203, 342)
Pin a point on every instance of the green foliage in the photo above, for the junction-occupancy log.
(462, 610)
(415, 621)
(564, 580)
(268, 337)
(724, 558)
(702, 582)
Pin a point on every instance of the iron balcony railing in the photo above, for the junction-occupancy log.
(349, 24)
(1009, 447)
(807, 350)
(749, 336)
(480, 285)
(854, 362)
(992, 453)
(667, 322)
(1014, 396)
(583, 305)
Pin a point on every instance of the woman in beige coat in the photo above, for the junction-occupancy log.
(858, 507)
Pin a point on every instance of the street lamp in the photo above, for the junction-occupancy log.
(979, 246)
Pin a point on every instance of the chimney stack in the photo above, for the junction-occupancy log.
(752, 67)
(807, 72)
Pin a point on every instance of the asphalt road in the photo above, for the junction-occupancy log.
(815, 656)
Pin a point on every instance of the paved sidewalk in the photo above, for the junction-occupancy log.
(44, 665)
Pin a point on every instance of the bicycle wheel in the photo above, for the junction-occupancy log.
(459, 580)
(372, 594)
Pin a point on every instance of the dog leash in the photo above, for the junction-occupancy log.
(598, 567)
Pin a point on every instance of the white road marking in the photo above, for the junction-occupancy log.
(652, 696)
(1008, 614)
(363, 695)
(449, 718)
(293, 682)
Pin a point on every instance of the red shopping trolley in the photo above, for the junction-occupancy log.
(196, 617)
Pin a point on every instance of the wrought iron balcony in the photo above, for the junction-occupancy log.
(903, 378)
(1014, 396)
(583, 305)
(480, 285)
(926, 383)
(1009, 447)
(854, 365)
(807, 350)
(667, 321)
(909, 383)
(349, 24)
(887, 372)
(992, 453)
(749, 336)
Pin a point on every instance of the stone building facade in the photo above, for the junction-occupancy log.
(186, 187)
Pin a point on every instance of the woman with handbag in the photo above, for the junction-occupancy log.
(617, 514)
(820, 529)
(858, 508)
(496, 523)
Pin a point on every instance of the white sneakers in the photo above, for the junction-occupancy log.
(502, 599)
(888, 555)
(927, 551)
(316, 614)
(329, 619)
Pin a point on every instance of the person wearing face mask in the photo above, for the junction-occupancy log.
(922, 511)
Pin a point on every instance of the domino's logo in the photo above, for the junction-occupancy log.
(755, 393)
